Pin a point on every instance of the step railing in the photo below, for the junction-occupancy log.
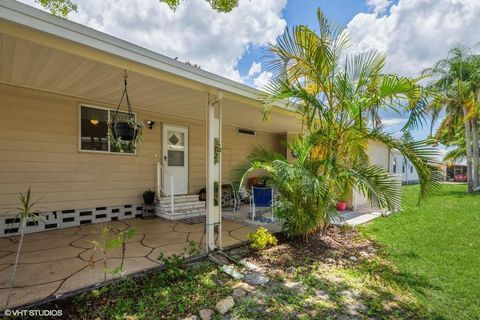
(161, 173)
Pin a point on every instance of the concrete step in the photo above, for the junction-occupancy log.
(178, 199)
(181, 207)
(182, 214)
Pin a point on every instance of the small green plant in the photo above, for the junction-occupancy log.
(217, 151)
(111, 238)
(261, 239)
(25, 212)
(175, 264)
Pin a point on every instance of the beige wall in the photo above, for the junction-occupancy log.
(39, 149)
(379, 154)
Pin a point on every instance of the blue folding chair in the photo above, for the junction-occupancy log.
(261, 198)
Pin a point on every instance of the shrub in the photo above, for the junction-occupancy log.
(261, 239)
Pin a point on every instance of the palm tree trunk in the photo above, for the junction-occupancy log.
(468, 140)
(14, 274)
(475, 153)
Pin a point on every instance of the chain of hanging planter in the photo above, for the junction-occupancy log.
(124, 134)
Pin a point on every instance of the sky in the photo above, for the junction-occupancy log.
(414, 34)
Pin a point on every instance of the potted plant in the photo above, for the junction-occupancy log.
(149, 197)
(344, 194)
(341, 205)
(124, 131)
(124, 136)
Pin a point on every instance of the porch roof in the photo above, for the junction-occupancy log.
(48, 53)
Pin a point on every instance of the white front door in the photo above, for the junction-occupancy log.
(175, 158)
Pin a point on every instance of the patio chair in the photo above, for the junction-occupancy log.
(262, 197)
(230, 197)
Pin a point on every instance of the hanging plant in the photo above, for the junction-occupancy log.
(124, 134)
(217, 149)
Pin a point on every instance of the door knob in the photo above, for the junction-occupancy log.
(165, 158)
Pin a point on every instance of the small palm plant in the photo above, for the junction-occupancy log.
(25, 213)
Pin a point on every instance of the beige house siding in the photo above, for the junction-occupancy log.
(379, 154)
(39, 149)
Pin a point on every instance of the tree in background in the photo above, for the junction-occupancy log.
(455, 90)
(217, 5)
(63, 7)
(58, 7)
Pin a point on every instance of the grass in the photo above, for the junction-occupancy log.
(162, 295)
(426, 268)
(436, 248)
(303, 285)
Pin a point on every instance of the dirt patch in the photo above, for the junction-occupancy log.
(337, 243)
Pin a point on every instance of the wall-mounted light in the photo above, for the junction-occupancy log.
(151, 124)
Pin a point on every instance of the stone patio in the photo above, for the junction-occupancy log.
(56, 262)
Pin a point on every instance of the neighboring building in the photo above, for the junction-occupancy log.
(455, 172)
(380, 155)
(400, 165)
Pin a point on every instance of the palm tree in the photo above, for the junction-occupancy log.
(340, 98)
(455, 87)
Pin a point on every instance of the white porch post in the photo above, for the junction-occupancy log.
(214, 171)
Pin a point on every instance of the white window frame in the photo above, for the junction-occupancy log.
(79, 125)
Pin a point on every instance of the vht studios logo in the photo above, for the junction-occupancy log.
(33, 313)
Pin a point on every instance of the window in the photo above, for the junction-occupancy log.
(94, 130)
(411, 169)
(403, 166)
(394, 165)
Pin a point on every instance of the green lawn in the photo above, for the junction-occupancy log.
(436, 248)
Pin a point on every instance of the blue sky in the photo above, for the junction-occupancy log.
(304, 12)
(413, 34)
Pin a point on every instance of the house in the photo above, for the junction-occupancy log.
(402, 166)
(60, 84)
(382, 156)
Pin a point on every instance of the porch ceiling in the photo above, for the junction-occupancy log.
(35, 65)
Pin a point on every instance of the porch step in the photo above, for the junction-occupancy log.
(185, 206)
(178, 199)
(181, 207)
(180, 215)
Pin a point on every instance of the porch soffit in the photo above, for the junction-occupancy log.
(35, 65)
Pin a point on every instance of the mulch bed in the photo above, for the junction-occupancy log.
(339, 243)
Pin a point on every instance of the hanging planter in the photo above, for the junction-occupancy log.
(124, 133)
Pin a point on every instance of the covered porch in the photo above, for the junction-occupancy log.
(60, 79)
(56, 263)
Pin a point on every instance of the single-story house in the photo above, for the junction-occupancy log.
(60, 83)
(402, 166)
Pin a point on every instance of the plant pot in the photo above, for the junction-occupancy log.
(341, 206)
(149, 198)
(124, 131)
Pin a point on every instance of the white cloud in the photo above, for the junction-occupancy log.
(255, 69)
(416, 33)
(379, 6)
(262, 79)
(194, 32)
(393, 121)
